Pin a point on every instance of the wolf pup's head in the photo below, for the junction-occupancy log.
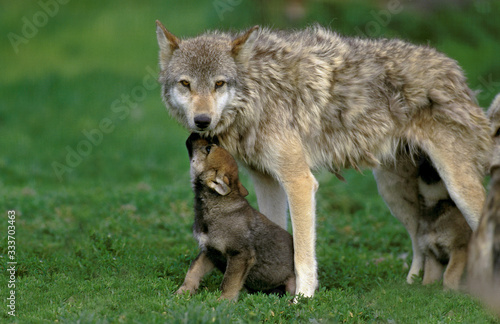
(199, 76)
(213, 167)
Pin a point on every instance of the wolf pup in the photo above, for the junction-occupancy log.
(288, 102)
(443, 234)
(245, 245)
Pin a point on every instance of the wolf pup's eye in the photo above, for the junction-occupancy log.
(219, 84)
(208, 148)
(185, 83)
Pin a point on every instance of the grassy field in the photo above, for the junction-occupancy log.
(97, 173)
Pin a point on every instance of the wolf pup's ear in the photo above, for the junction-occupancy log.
(189, 143)
(241, 46)
(220, 184)
(167, 42)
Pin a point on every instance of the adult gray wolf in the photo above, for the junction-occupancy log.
(483, 267)
(246, 246)
(443, 235)
(288, 102)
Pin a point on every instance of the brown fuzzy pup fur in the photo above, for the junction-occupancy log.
(443, 234)
(245, 245)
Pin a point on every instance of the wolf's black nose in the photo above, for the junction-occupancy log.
(202, 121)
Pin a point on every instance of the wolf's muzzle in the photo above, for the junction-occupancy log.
(202, 121)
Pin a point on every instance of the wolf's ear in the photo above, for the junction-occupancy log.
(220, 184)
(242, 189)
(241, 46)
(167, 42)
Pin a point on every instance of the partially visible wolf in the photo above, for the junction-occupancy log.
(287, 102)
(483, 268)
(245, 245)
(443, 235)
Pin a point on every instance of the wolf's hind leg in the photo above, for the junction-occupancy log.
(397, 183)
(461, 176)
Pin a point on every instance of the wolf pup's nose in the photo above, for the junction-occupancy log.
(202, 121)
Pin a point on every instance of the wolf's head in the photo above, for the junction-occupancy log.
(213, 167)
(199, 76)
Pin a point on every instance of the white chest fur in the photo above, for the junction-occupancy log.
(205, 241)
(202, 239)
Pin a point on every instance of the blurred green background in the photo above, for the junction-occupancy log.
(69, 65)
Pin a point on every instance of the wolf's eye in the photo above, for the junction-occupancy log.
(185, 83)
(219, 84)
(208, 148)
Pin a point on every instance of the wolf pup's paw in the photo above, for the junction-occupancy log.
(229, 297)
(183, 289)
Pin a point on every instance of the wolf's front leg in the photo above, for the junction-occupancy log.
(199, 267)
(300, 187)
(271, 197)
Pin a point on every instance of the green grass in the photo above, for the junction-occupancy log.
(109, 239)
